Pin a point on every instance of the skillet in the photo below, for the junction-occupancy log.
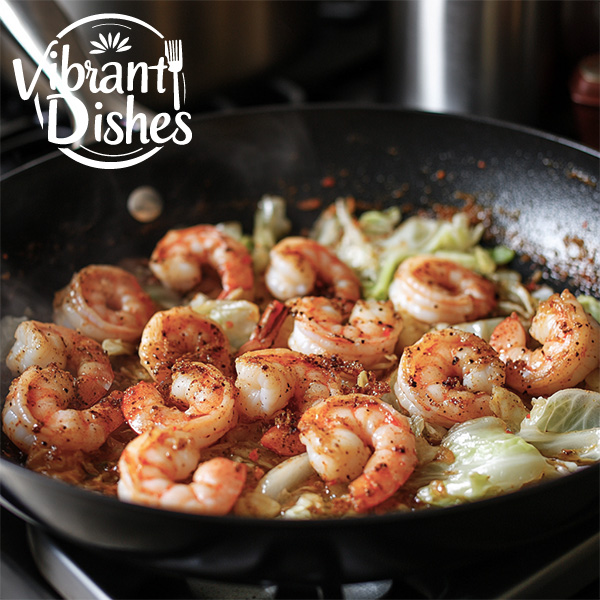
(58, 216)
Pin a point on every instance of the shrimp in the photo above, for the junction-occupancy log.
(360, 439)
(448, 376)
(42, 408)
(155, 466)
(365, 331)
(179, 256)
(436, 290)
(182, 332)
(269, 379)
(200, 400)
(569, 350)
(104, 302)
(42, 344)
(300, 266)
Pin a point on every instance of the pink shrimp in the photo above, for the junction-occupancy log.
(155, 466)
(569, 350)
(180, 255)
(360, 439)
(300, 266)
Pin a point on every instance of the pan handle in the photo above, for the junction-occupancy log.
(34, 26)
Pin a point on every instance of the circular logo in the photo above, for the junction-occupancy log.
(101, 69)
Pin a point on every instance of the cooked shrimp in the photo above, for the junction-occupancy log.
(180, 255)
(41, 344)
(448, 376)
(569, 350)
(361, 439)
(42, 407)
(300, 266)
(365, 331)
(155, 466)
(268, 380)
(436, 290)
(200, 400)
(181, 332)
(104, 302)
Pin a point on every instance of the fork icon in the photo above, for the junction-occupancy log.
(174, 55)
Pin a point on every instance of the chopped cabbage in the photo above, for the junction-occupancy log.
(566, 425)
(237, 318)
(590, 305)
(270, 225)
(509, 407)
(488, 461)
(377, 242)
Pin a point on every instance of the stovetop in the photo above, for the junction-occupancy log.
(36, 565)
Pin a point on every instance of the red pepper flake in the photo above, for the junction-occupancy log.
(229, 324)
(528, 416)
(310, 204)
(328, 182)
(441, 174)
(259, 473)
(253, 455)
(481, 164)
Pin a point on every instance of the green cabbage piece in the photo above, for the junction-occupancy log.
(590, 305)
(566, 425)
(270, 225)
(488, 461)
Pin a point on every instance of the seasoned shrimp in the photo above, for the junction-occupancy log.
(365, 331)
(155, 466)
(42, 407)
(104, 302)
(41, 344)
(200, 400)
(569, 350)
(300, 266)
(448, 376)
(181, 332)
(269, 379)
(361, 439)
(436, 290)
(180, 255)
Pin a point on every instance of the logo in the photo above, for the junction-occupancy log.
(94, 78)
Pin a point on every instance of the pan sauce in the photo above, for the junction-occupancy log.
(307, 494)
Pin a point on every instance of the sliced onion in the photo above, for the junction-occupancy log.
(286, 476)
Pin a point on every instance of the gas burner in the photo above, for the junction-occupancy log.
(54, 569)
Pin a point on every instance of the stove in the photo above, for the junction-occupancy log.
(40, 566)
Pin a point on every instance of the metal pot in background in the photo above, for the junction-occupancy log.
(495, 58)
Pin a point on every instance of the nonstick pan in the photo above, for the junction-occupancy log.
(58, 216)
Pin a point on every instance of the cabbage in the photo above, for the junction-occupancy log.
(377, 242)
(566, 425)
(237, 318)
(270, 225)
(488, 461)
(590, 305)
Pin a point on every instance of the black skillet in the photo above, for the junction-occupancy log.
(58, 216)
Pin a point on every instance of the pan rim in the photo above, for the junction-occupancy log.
(371, 107)
(426, 513)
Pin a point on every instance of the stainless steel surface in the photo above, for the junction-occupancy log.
(495, 58)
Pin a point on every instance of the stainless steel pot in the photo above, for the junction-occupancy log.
(495, 58)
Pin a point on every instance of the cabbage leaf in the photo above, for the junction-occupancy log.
(488, 461)
(566, 425)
